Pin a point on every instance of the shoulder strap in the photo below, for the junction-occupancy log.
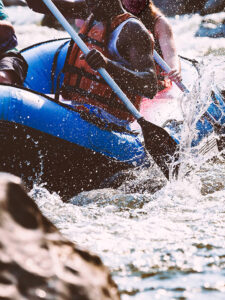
(116, 21)
(87, 25)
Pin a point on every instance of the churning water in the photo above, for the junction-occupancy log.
(164, 245)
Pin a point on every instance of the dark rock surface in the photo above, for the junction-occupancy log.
(36, 261)
(213, 6)
(179, 7)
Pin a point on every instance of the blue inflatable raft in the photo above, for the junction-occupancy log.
(48, 141)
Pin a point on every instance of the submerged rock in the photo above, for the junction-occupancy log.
(211, 28)
(36, 261)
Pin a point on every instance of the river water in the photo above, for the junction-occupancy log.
(164, 245)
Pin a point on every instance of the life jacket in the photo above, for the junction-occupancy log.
(85, 85)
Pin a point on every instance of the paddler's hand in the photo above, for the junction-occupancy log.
(95, 59)
(173, 75)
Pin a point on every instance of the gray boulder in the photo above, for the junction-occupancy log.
(213, 6)
(37, 262)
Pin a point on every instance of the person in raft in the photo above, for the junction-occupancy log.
(159, 26)
(118, 42)
(13, 67)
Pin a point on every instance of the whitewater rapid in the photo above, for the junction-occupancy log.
(165, 245)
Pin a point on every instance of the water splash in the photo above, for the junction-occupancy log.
(193, 106)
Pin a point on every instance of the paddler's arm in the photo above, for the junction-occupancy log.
(69, 8)
(164, 34)
(135, 46)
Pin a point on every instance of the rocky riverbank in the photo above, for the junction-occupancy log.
(37, 262)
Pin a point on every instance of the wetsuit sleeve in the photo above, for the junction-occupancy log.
(14, 62)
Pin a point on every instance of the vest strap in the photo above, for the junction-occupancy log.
(81, 72)
(88, 39)
(110, 102)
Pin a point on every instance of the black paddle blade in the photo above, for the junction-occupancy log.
(160, 145)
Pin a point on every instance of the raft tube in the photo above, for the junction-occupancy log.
(44, 140)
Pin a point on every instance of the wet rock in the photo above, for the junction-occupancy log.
(14, 2)
(220, 131)
(211, 28)
(36, 261)
(179, 7)
(212, 7)
(139, 180)
(221, 144)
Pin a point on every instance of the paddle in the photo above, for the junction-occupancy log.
(160, 145)
(167, 69)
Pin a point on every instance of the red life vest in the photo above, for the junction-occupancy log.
(85, 85)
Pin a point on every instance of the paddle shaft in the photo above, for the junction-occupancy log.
(167, 69)
(114, 86)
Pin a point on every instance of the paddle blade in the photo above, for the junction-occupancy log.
(160, 145)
